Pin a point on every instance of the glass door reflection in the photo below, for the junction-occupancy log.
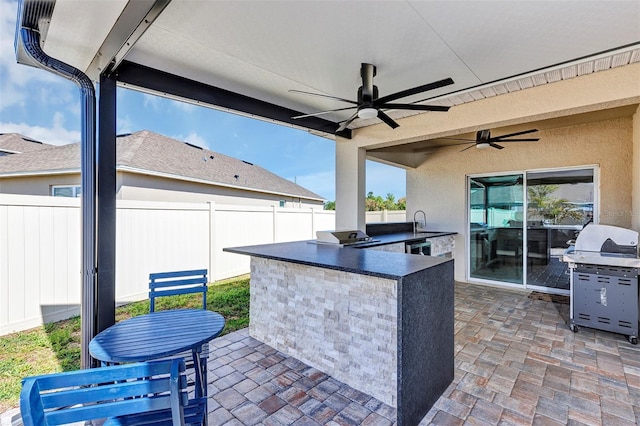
(496, 228)
(560, 203)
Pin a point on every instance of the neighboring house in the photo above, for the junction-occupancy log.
(14, 143)
(152, 167)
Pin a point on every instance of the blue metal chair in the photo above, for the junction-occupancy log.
(182, 282)
(129, 394)
(178, 282)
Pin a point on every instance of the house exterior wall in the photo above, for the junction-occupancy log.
(635, 196)
(134, 186)
(439, 186)
(587, 120)
(36, 185)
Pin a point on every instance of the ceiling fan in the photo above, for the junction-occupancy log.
(369, 105)
(484, 139)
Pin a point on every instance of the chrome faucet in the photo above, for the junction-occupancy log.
(415, 224)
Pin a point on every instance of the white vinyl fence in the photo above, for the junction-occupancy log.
(40, 259)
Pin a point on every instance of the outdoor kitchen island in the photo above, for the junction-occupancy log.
(378, 321)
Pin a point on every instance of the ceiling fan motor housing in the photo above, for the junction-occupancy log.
(483, 136)
(366, 91)
(363, 101)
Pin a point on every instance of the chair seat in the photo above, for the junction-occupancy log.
(194, 413)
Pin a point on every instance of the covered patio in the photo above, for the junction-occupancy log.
(516, 363)
(571, 70)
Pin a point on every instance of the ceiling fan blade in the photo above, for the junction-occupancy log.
(428, 148)
(388, 120)
(514, 140)
(414, 91)
(495, 145)
(515, 134)
(459, 139)
(315, 114)
(415, 107)
(322, 95)
(345, 123)
(469, 147)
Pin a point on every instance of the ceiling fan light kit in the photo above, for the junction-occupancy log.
(370, 105)
(367, 112)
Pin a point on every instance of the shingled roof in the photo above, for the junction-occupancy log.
(14, 143)
(152, 153)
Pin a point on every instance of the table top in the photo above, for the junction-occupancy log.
(156, 335)
(366, 262)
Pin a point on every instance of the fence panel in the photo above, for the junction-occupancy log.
(39, 260)
(323, 220)
(157, 237)
(40, 248)
(237, 226)
(396, 216)
(293, 225)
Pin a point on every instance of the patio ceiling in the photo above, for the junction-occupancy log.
(245, 56)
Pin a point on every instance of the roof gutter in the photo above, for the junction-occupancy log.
(33, 18)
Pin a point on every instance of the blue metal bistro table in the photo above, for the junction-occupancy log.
(158, 335)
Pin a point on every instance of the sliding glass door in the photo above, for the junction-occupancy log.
(495, 228)
(520, 224)
(560, 203)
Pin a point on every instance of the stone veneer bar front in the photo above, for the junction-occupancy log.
(381, 322)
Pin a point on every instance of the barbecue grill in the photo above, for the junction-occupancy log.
(604, 267)
(343, 238)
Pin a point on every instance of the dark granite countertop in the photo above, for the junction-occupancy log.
(367, 262)
(402, 237)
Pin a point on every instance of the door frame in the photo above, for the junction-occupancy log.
(524, 286)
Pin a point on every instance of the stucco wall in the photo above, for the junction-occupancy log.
(635, 212)
(36, 185)
(153, 188)
(439, 186)
(150, 188)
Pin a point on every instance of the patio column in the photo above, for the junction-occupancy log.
(635, 188)
(350, 185)
(105, 304)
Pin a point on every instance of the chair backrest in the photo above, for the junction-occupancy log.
(178, 282)
(137, 389)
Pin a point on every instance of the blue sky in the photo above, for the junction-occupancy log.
(43, 106)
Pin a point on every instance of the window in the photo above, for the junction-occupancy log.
(283, 203)
(66, 190)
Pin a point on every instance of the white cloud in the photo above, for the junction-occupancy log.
(196, 139)
(15, 78)
(151, 101)
(124, 125)
(185, 106)
(55, 135)
(193, 138)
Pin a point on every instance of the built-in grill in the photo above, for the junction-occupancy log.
(604, 267)
(344, 238)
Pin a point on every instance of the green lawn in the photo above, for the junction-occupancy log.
(56, 347)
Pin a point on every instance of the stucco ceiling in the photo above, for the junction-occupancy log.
(262, 49)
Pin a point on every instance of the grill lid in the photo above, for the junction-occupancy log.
(607, 239)
(342, 237)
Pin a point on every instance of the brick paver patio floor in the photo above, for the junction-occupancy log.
(516, 363)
